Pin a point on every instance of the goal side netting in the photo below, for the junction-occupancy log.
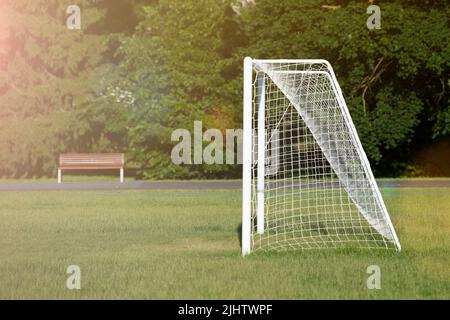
(307, 182)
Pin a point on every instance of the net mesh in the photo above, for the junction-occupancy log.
(313, 189)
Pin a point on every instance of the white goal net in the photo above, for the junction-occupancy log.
(306, 180)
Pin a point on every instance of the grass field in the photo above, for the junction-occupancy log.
(185, 245)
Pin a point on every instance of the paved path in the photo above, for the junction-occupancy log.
(186, 185)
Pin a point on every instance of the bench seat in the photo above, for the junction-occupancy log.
(91, 161)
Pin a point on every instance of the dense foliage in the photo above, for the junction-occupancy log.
(139, 69)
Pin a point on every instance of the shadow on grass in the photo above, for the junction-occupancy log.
(325, 252)
(239, 234)
(328, 253)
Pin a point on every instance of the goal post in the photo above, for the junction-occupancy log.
(307, 182)
(247, 157)
(261, 155)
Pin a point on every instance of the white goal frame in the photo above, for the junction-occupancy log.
(250, 65)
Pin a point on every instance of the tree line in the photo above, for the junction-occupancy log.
(139, 69)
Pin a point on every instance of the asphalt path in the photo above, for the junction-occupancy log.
(189, 185)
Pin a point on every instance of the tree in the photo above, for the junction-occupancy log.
(138, 70)
(176, 66)
(393, 79)
(47, 95)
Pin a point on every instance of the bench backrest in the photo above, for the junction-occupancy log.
(91, 161)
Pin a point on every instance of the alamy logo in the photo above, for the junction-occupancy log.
(213, 152)
(374, 21)
(74, 19)
(374, 280)
(74, 279)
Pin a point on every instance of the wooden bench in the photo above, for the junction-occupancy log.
(91, 161)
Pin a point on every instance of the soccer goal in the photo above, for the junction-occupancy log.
(307, 182)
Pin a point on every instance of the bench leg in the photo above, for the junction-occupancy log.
(59, 176)
(121, 175)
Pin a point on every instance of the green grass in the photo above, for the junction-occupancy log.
(185, 245)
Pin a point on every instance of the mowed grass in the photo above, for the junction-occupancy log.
(185, 245)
